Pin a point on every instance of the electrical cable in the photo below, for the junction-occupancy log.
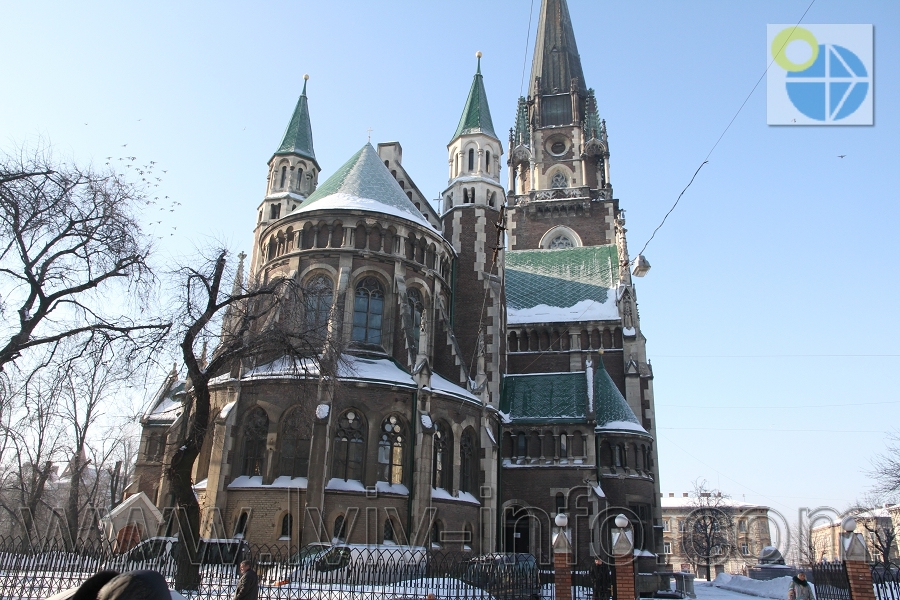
(727, 127)
(527, 40)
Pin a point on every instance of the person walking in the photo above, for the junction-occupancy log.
(248, 584)
(800, 588)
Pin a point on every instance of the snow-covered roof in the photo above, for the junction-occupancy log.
(167, 406)
(559, 286)
(357, 369)
(364, 183)
(679, 501)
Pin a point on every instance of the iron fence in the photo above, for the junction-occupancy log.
(339, 572)
(886, 582)
(831, 581)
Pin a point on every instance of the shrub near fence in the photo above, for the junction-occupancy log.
(332, 573)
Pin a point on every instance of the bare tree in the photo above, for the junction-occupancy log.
(261, 320)
(70, 242)
(709, 528)
(885, 469)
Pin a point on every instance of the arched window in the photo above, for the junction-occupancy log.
(617, 456)
(349, 447)
(442, 464)
(318, 296)
(487, 162)
(368, 309)
(561, 241)
(295, 439)
(471, 159)
(283, 177)
(560, 503)
(522, 445)
(559, 180)
(256, 430)
(287, 526)
(388, 534)
(299, 178)
(436, 535)
(240, 530)
(390, 450)
(340, 528)
(563, 445)
(414, 299)
(467, 458)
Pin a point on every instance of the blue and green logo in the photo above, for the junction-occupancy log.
(821, 75)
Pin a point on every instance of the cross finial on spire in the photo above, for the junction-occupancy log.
(369, 131)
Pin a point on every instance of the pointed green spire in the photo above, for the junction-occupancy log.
(298, 135)
(556, 60)
(522, 136)
(476, 117)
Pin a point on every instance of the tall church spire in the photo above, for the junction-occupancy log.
(298, 139)
(556, 61)
(476, 116)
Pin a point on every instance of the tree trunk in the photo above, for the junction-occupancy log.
(72, 500)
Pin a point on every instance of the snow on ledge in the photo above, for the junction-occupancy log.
(345, 485)
(585, 310)
(622, 426)
(442, 494)
(383, 487)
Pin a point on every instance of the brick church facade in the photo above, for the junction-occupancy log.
(494, 369)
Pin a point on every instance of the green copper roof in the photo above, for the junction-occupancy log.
(523, 130)
(298, 135)
(476, 117)
(565, 285)
(613, 411)
(364, 183)
(545, 397)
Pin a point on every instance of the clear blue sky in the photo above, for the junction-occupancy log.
(778, 255)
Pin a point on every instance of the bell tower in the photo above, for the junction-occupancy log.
(293, 172)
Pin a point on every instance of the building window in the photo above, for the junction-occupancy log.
(287, 526)
(559, 180)
(617, 456)
(388, 535)
(563, 445)
(256, 430)
(240, 529)
(471, 159)
(681, 525)
(742, 525)
(561, 241)
(299, 178)
(349, 447)
(295, 439)
(560, 503)
(443, 457)
(665, 525)
(275, 211)
(318, 297)
(390, 450)
(487, 162)
(667, 547)
(745, 548)
(414, 299)
(436, 535)
(340, 528)
(368, 309)
(521, 445)
(283, 177)
(467, 462)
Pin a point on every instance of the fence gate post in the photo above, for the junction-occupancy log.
(562, 552)
(859, 574)
(623, 554)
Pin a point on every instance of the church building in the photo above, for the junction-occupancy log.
(494, 370)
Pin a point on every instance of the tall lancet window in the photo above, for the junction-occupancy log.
(441, 473)
(390, 450)
(414, 299)
(295, 439)
(349, 447)
(471, 159)
(318, 296)
(368, 310)
(467, 464)
(256, 430)
(283, 177)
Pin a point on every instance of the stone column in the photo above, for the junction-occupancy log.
(856, 561)
(623, 555)
(562, 555)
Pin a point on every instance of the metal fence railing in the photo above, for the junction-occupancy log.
(886, 582)
(332, 572)
(831, 581)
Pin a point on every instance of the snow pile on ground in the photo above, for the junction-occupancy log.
(773, 588)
